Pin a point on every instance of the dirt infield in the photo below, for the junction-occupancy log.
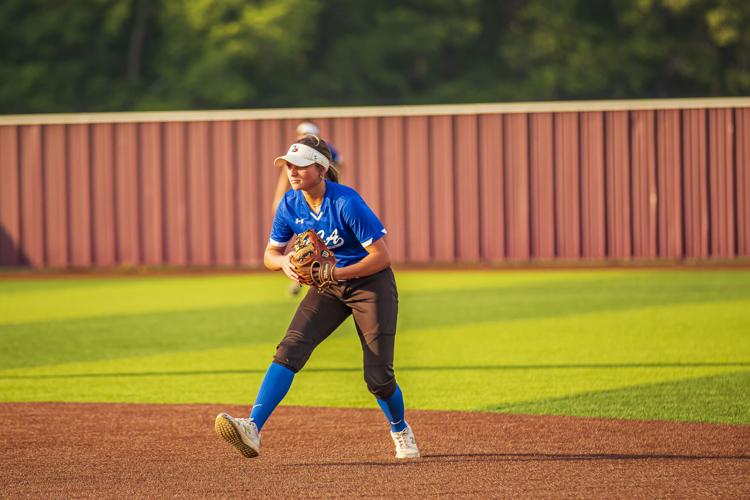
(124, 450)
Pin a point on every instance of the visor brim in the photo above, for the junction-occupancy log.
(296, 160)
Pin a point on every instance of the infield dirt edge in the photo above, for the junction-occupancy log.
(112, 450)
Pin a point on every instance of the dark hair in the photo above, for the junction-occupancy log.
(321, 147)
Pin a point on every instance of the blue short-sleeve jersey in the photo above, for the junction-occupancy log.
(344, 222)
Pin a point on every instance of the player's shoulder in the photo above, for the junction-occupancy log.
(342, 194)
(290, 196)
(341, 190)
(287, 202)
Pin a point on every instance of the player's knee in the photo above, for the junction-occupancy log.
(293, 352)
(381, 382)
(382, 390)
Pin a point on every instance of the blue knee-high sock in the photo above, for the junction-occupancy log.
(272, 390)
(393, 407)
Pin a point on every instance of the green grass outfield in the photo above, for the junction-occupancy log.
(644, 344)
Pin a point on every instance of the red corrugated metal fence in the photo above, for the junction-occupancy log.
(451, 187)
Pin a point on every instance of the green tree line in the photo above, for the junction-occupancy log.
(116, 55)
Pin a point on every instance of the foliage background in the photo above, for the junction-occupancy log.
(116, 55)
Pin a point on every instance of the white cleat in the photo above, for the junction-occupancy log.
(242, 433)
(406, 444)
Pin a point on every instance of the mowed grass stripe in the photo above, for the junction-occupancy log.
(108, 337)
(232, 375)
(473, 348)
(38, 300)
(722, 398)
(346, 389)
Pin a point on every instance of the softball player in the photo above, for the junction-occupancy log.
(365, 288)
(282, 185)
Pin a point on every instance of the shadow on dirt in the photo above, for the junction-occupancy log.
(523, 457)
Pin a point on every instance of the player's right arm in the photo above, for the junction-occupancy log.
(274, 260)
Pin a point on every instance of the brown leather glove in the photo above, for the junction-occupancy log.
(313, 261)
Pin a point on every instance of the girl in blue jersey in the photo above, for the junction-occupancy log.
(365, 288)
(282, 185)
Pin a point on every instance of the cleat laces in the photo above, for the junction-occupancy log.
(248, 427)
(401, 438)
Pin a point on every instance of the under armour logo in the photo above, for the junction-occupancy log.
(299, 221)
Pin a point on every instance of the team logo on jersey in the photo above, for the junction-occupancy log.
(333, 240)
(299, 221)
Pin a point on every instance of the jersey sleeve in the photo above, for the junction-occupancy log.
(335, 155)
(363, 222)
(281, 233)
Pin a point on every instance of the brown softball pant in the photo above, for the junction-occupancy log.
(373, 302)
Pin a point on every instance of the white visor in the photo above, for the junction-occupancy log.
(302, 156)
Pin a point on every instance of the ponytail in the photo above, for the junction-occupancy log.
(332, 174)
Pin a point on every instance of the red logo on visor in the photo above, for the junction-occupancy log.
(295, 149)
